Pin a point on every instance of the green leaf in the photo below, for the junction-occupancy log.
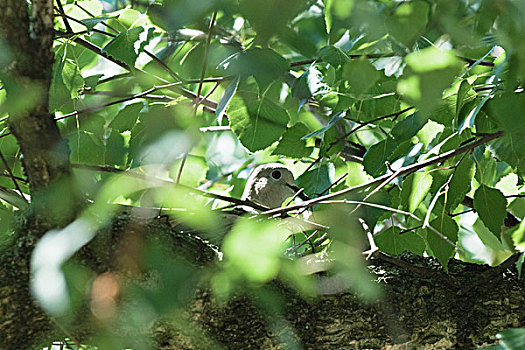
(226, 98)
(360, 74)
(122, 47)
(256, 120)
(519, 264)
(408, 21)
(409, 127)
(376, 156)
(464, 89)
(268, 16)
(90, 23)
(292, 144)
(518, 237)
(127, 117)
(442, 249)
(512, 338)
(485, 168)
(341, 9)
(309, 84)
(460, 184)
(507, 111)
(86, 148)
(316, 180)
(428, 73)
(333, 55)
(115, 154)
(487, 237)
(390, 241)
(335, 118)
(72, 78)
(415, 188)
(265, 65)
(491, 206)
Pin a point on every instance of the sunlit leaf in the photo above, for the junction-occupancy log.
(122, 47)
(391, 241)
(491, 206)
(441, 248)
(429, 72)
(360, 74)
(415, 188)
(256, 120)
(225, 99)
(333, 55)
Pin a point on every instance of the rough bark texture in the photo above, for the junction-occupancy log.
(421, 308)
(27, 33)
(416, 312)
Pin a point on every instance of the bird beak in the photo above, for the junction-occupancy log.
(301, 195)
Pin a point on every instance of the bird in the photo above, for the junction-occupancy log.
(270, 185)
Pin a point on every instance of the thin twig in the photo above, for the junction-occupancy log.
(402, 171)
(12, 176)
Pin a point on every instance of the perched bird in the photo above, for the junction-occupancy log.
(270, 184)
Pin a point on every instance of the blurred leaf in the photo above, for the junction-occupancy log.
(122, 47)
(391, 241)
(265, 65)
(360, 74)
(512, 338)
(442, 249)
(339, 8)
(428, 73)
(507, 112)
(256, 119)
(12, 197)
(491, 206)
(292, 143)
(173, 14)
(518, 237)
(254, 248)
(519, 264)
(262, 12)
(415, 188)
(193, 173)
(408, 21)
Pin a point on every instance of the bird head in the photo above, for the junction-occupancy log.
(270, 184)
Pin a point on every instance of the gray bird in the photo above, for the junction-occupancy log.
(270, 184)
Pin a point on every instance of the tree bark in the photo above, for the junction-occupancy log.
(421, 306)
(27, 34)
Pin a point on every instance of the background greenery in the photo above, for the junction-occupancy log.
(410, 113)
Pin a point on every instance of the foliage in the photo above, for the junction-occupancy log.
(426, 95)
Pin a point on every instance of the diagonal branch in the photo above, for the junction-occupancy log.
(402, 171)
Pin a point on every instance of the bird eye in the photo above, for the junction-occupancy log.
(276, 174)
